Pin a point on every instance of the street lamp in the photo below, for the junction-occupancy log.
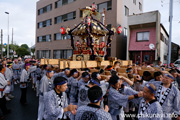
(8, 36)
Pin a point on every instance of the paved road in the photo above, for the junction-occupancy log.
(23, 112)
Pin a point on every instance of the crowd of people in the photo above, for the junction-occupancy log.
(72, 94)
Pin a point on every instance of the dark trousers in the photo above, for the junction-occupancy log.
(23, 95)
(3, 105)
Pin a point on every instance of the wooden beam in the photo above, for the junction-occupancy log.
(91, 64)
(104, 63)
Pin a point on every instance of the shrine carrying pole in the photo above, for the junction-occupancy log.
(103, 15)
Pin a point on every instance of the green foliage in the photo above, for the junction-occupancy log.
(22, 51)
(25, 46)
(13, 47)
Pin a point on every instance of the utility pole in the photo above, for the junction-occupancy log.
(12, 43)
(170, 29)
(1, 43)
(12, 37)
(8, 36)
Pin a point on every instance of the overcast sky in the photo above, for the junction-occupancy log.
(23, 16)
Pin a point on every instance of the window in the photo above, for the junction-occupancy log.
(107, 5)
(70, 16)
(65, 17)
(44, 23)
(48, 38)
(39, 39)
(66, 37)
(58, 3)
(70, 1)
(162, 37)
(143, 36)
(126, 10)
(43, 54)
(59, 36)
(146, 58)
(69, 53)
(49, 7)
(81, 13)
(48, 22)
(40, 11)
(45, 38)
(74, 15)
(125, 32)
(134, 1)
(58, 19)
(57, 54)
(45, 9)
(64, 2)
(140, 6)
(102, 6)
(63, 54)
(166, 41)
(40, 25)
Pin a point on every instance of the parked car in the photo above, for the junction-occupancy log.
(27, 56)
(177, 63)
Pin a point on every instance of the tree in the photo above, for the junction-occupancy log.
(33, 50)
(22, 51)
(25, 46)
(11, 47)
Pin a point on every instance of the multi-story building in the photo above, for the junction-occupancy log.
(52, 14)
(148, 39)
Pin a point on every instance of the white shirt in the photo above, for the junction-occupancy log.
(163, 90)
(3, 84)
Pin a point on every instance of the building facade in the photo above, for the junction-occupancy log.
(175, 52)
(145, 30)
(164, 45)
(52, 14)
